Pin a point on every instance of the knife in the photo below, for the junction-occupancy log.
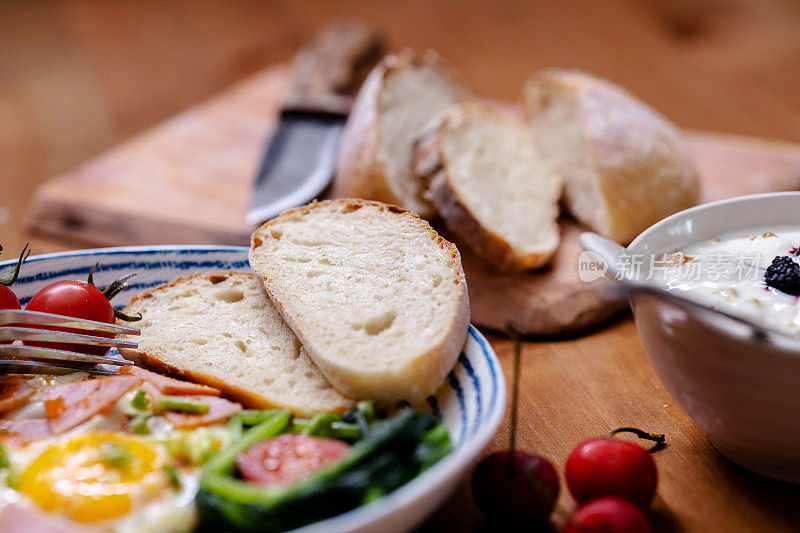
(301, 156)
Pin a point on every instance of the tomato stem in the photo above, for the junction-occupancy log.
(12, 277)
(116, 286)
(127, 318)
(659, 439)
(512, 444)
(112, 290)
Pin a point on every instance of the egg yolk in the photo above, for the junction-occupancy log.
(95, 477)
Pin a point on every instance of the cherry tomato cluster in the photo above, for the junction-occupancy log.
(612, 480)
(75, 298)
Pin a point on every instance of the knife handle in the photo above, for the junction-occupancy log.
(329, 69)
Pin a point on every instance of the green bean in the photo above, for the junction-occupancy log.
(183, 405)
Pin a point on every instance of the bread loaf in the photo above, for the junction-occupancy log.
(624, 165)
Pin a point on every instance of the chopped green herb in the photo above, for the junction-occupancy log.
(139, 400)
(367, 408)
(139, 424)
(335, 430)
(12, 480)
(253, 417)
(116, 454)
(184, 405)
(172, 474)
(4, 461)
(236, 426)
(372, 493)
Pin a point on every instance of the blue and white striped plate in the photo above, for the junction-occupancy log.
(471, 402)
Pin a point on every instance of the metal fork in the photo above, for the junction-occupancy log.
(15, 358)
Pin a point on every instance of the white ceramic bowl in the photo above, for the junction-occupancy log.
(471, 402)
(742, 388)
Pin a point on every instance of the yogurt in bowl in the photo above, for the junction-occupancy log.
(737, 383)
(754, 274)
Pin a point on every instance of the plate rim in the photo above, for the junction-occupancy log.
(449, 466)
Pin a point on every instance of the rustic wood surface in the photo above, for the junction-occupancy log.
(79, 77)
(188, 181)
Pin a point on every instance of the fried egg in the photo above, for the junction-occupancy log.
(98, 476)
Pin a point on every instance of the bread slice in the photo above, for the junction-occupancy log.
(375, 295)
(490, 185)
(624, 165)
(220, 329)
(398, 97)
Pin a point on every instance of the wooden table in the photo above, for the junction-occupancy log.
(78, 77)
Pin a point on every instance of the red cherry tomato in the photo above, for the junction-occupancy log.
(524, 492)
(288, 458)
(609, 514)
(77, 299)
(8, 300)
(609, 467)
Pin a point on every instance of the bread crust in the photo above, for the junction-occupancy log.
(427, 372)
(431, 168)
(157, 364)
(643, 166)
(360, 171)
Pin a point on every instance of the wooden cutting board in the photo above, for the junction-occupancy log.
(187, 181)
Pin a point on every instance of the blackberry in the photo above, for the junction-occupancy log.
(784, 274)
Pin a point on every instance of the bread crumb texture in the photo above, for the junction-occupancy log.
(221, 329)
(375, 294)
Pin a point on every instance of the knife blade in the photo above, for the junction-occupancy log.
(300, 158)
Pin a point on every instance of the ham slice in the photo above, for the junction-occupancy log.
(71, 404)
(14, 392)
(219, 410)
(151, 391)
(24, 431)
(16, 517)
(167, 385)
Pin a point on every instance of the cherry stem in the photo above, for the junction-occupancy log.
(659, 439)
(512, 444)
(12, 277)
(112, 290)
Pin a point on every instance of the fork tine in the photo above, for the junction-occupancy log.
(11, 333)
(35, 367)
(16, 316)
(15, 351)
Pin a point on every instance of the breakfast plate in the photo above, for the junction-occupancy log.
(470, 403)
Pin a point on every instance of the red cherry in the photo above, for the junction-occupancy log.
(524, 491)
(609, 467)
(609, 514)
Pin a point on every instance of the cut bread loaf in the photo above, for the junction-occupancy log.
(375, 295)
(398, 97)
(624, 165)
(221, 329)
(491, 187)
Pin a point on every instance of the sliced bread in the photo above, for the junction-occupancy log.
(398, 97)
(624, 165)
(491, 187)
(220, 329)
(375, 295)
